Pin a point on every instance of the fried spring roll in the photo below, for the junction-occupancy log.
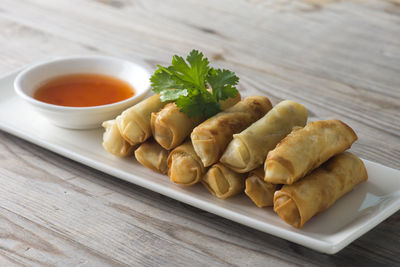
(260, 192)
(211, 137)
(151, 155)
(249, 148)
(222, 182)
(305, 149)
(185, 167)
(316, 192)
(113, 141)
(170, 126)
(134, 123)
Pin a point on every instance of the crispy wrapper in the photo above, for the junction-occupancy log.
(211, 137)
(222, 182)
(305, 149)
(113, 141)
(151, 155)
(260, 192)
(170, 126)
(134, 123)
(185, 167)
(249, 148)
(316, 192)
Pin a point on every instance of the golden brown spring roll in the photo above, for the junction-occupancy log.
(211, 137)
(305, 149)
(185, 167)
(134, 123)
(249, 148)
(151, 155)
(113, 141)
(222, 182)
(316, 192)
(260, 192)
(170, 126)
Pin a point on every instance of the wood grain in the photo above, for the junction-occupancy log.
(339, 58)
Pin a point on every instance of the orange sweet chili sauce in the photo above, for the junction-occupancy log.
(83, 90)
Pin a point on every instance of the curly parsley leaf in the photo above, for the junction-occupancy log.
(185, 82)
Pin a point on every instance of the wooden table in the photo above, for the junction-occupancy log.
(339, 58)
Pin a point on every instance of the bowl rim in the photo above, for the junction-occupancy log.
(20, 76)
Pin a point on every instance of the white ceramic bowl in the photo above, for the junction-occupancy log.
(28, 80)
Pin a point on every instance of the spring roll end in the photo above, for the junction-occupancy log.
(158, 160)
(184, 170)
(215, 182)
(287, 209)
(236, 156)
(277, 173)
(113, 141)
(132, 132)
(204, 148)
(257, 194)
(162, 134)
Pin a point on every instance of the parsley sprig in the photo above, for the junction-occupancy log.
(186, 82)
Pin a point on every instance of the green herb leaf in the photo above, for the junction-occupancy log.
(172, 94)
(162, 81)
(222, 83)
(199, 105)
(194, 74)
(185, 82)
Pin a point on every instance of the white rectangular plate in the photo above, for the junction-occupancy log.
(350, 217)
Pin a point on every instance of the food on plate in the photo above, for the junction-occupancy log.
(113, 141)
(134, 123)
(249, 148)
(151, 155)
(298, 202)
(222, 182)
(185, 167)
(305, 167)
(211, 137)
(260, 192)
(305, 149)
(170, 126)
(83, 90)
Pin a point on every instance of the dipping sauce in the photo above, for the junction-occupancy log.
(84, 90)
